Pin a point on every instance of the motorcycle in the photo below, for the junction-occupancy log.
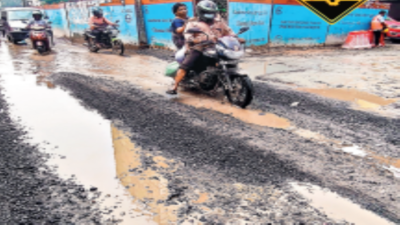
(40, 38)
(109, 40)
(223, 72)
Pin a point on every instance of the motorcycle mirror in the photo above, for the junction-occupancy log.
(46, 17)
(49, 22)
(117, 21)
(243, 29)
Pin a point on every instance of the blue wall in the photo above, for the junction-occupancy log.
(59, 21)
(79, 18)
(127, 21)
(158, 18)
(269, 24)
(254, 15)
(296, 25)
(359, 19)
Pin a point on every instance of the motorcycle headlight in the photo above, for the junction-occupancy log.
(115, 32)
(232, 54)
(394, 26)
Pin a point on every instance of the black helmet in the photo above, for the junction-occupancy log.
(37, 15)
(97, 12)
(206, 10)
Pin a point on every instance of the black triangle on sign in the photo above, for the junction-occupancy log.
(331, 13)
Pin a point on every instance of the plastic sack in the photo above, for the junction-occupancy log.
(171, 70)
(180, 55)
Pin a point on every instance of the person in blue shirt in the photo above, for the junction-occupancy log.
(179, 24)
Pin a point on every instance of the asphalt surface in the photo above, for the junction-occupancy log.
(217, 153)
(331, 118)
(226, 147)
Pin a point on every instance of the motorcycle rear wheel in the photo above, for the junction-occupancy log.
(118, 47)
(241, 93)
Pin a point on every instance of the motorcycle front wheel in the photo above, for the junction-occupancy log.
(241, 93)
(41, 50)
(118, 47)
(92, 46)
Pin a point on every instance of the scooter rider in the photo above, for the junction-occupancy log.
(97, 24)
(37, 21)
(208, 22)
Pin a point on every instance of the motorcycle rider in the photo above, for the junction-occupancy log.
(97, 24)
(37, 21)
(209, 22)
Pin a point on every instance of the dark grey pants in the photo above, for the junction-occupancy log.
(179, 40)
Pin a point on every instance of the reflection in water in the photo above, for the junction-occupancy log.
(336, 207)
(42, 80)
(363, 99)
(81, 137)
(145, 184)
(249, 116)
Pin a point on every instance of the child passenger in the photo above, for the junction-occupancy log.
(179, 24)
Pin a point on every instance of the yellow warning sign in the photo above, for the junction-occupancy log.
(332, 10)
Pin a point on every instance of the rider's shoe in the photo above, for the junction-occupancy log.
(172, 92)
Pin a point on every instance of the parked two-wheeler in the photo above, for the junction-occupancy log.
(224, 73)
(109, 40)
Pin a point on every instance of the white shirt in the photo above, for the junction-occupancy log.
(380, 18)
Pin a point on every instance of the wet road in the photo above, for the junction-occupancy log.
(300, 153)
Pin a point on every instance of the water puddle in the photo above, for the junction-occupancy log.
(355, 150)
(390, 164)
(362, 99)
(348, 148)
(336, 207)
(64, 127)
(249, 116)
(146, 185)
(388, 161)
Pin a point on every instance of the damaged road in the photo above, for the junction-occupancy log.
(186, 161)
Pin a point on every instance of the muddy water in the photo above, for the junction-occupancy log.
(391, 164)
(336, 207)
(63, 127)
(146, 185)
(249, 116)
(362, 99)
(148, 73)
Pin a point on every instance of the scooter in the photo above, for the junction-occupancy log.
(40, 38)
